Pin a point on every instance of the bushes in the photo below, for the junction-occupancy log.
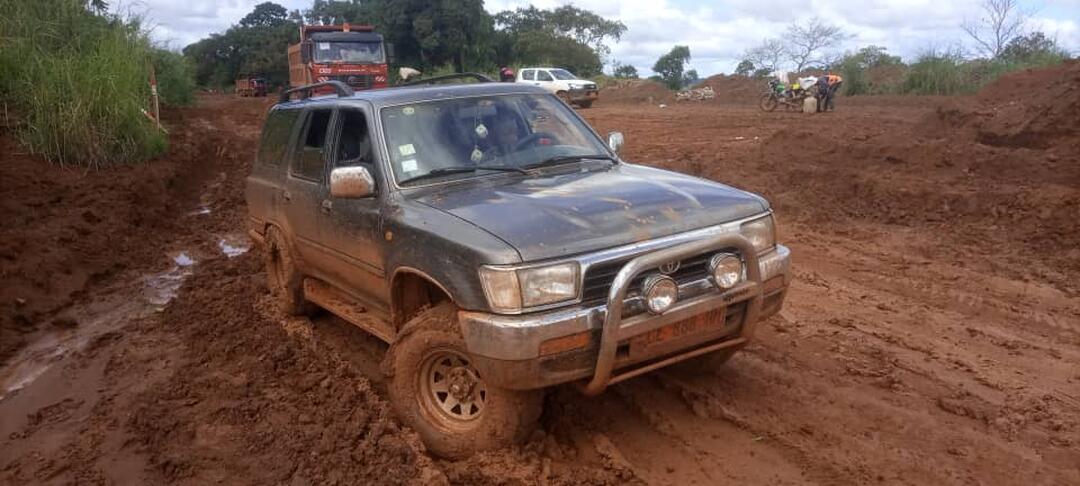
(78, 82)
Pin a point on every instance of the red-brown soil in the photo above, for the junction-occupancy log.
(931, 335)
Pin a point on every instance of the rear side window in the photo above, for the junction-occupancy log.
(543, 76)
(528, 75)
(275, 136)
(308, 161)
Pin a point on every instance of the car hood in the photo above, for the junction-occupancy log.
(562, 213)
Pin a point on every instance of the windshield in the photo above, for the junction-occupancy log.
(562, 74)
(444, 139)
(353, 52)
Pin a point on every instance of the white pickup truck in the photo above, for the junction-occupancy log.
(562, 83)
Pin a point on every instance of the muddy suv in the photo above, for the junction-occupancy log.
(499, 246)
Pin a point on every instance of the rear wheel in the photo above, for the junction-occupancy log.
(284, 279)
(436, 390)
(768, 102)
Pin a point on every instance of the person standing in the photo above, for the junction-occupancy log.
(506, 74)
(833, 81)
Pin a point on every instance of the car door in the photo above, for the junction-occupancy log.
(305, 188)
(352, 228)
(545, 80)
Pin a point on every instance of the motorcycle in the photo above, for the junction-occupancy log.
(777, 94)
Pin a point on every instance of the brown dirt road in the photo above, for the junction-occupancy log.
(932, 334)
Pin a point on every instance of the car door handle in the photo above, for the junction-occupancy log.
(286, 195)
(327, 206)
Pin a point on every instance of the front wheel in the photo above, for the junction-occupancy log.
(435, 389)
(585, 104)
(768, 102)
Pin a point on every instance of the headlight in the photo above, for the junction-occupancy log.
(510, 289)
(760, 233)
(726, 270)
(660, 293)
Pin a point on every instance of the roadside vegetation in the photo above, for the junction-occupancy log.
(1001, 41)
(74, 81)
(434, 37)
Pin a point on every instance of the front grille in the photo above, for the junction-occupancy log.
(598, 278)
(359, 81)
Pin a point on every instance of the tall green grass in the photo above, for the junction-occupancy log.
(78, 82)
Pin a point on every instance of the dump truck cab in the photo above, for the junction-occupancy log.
(351, 54)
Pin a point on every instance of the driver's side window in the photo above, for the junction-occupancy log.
(354, 144)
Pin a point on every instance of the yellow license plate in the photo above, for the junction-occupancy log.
(712, 320)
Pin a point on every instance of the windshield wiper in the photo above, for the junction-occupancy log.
(461, 170)
(562, 159)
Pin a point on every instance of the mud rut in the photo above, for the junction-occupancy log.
(902, 356)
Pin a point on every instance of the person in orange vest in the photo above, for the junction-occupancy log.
(833, 83)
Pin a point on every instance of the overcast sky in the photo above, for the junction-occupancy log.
(717, 31)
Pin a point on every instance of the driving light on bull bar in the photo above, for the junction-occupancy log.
(514, 289)
(761, 233)
(726, 270)
(660, 292)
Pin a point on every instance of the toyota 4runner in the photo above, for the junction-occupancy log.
(499, 246)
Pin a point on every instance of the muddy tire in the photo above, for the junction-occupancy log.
(563, 95)
(768, 102)
(284, 279)
(585, 104)
(434, 389)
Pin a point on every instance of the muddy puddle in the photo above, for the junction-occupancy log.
(71, 334)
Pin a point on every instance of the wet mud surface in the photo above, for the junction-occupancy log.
(931, 335)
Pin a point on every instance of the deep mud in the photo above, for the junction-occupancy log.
(931, 336)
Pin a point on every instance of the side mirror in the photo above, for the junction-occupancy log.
(351, 183)
(305, 52)
(615, 141)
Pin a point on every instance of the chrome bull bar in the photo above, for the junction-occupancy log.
(614, 331)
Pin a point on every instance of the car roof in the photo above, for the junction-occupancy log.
(418, 93)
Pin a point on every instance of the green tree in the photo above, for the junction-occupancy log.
(624, 71)
(266, 14)
(690, 78)
(670, 66)
(1032, 46)
(566, 36)
(745, 68)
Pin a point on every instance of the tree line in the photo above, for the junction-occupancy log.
(458, 35)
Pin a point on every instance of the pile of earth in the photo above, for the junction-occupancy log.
(996, 171)
(634, 91)
(1034, 108)
(734, 88)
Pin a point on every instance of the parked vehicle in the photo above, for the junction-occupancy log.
(777, 94)
(499, 246)
(351, 54)
(562, 83)
(247, 87)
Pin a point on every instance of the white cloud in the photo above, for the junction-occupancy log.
(717, 31)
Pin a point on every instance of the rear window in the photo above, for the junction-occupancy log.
(275, 136)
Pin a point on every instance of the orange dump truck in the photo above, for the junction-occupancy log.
(352, 54)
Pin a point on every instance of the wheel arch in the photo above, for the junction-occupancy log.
(412, 290)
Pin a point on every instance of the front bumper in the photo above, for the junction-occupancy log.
(584, 94)
(506, 348)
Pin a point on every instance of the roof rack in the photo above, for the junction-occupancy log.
(342, 90)
(477, 76)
